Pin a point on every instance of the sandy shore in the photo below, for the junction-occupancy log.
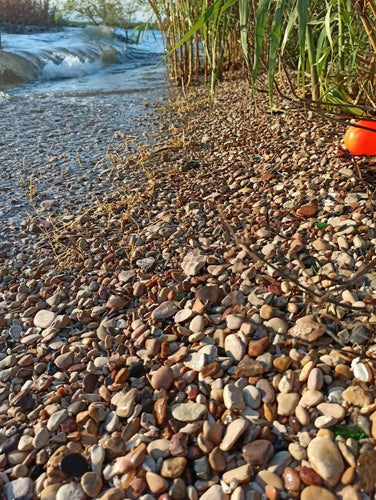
(205, 330)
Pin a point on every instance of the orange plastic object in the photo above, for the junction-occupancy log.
(359, 141)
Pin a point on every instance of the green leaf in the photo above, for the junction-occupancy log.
(303, 22)
(213, 9)
(292, 20)
(328, 25)
(261, 17)
(274, 45)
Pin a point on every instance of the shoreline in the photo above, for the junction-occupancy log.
(142, 337)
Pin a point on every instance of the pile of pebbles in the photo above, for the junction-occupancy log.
(205, 332)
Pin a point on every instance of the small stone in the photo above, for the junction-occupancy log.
(197, 324)
(212, 431)
(74, 465)
(165, 310)
(234, 347)
(65, 360)
(217, 459)
(215, 492)
(291, 479)
(234, 321)
(252, 396)
(157, 484)
(316, 492)
(315, 380)
(258, 452)
(248, 367)
(189, 412)
(258, 347)
(266, 311)
(193, 262)
(125, 402)
(282, 363)
(116, 302)
(307, 211)
(332, 410)
(366, 470)
(310, 399)
(162, 378)
(360, 334)
(357, 396)
(287, 402)
(44, 318)
(159, 448)
(173, 467)
(233, 432)
(72, 491)
(326, 459)
(233, 398)
(240, 474)
(266, 477)
(309, 476)
(307, 329)
(210, 294)
(19, 489)
(49, 493)
(91, 483)
(56, 419)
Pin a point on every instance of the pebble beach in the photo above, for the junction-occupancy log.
(205, 328)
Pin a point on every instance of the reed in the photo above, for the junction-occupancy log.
(330, 45)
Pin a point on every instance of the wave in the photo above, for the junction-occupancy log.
(58, 62)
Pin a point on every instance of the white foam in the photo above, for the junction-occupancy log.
(4, 96)
(70, 67)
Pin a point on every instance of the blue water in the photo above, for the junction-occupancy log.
(80, 60)
(67, 97)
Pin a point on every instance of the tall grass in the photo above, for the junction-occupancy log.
(330, 45)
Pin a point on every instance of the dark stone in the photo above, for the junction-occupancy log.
(210, 294)
(258, 452)
(137, 370)
(35, 471)
(74, 465)
(201, 468)
(89, 382)
(366, 469)
(10, 444)
(360, 335)
(249, 367)
(51, 368)
(26, 402)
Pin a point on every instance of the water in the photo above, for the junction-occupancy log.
(80, 60)
(64, 97)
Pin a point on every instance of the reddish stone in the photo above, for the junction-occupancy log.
(291, 479)
(309, 476)
(307, 211)
(258, 347)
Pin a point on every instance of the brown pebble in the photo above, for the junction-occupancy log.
(258, 347)
(162, 378)
(291, 479)
(173, 467)
(309, 476)
(258, 452)
(281, 363)
(348, 476)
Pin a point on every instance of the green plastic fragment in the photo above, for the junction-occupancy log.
(181, 296)
(321, 225)
(348, 431)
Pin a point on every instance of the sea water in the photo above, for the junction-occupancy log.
(66, 98)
